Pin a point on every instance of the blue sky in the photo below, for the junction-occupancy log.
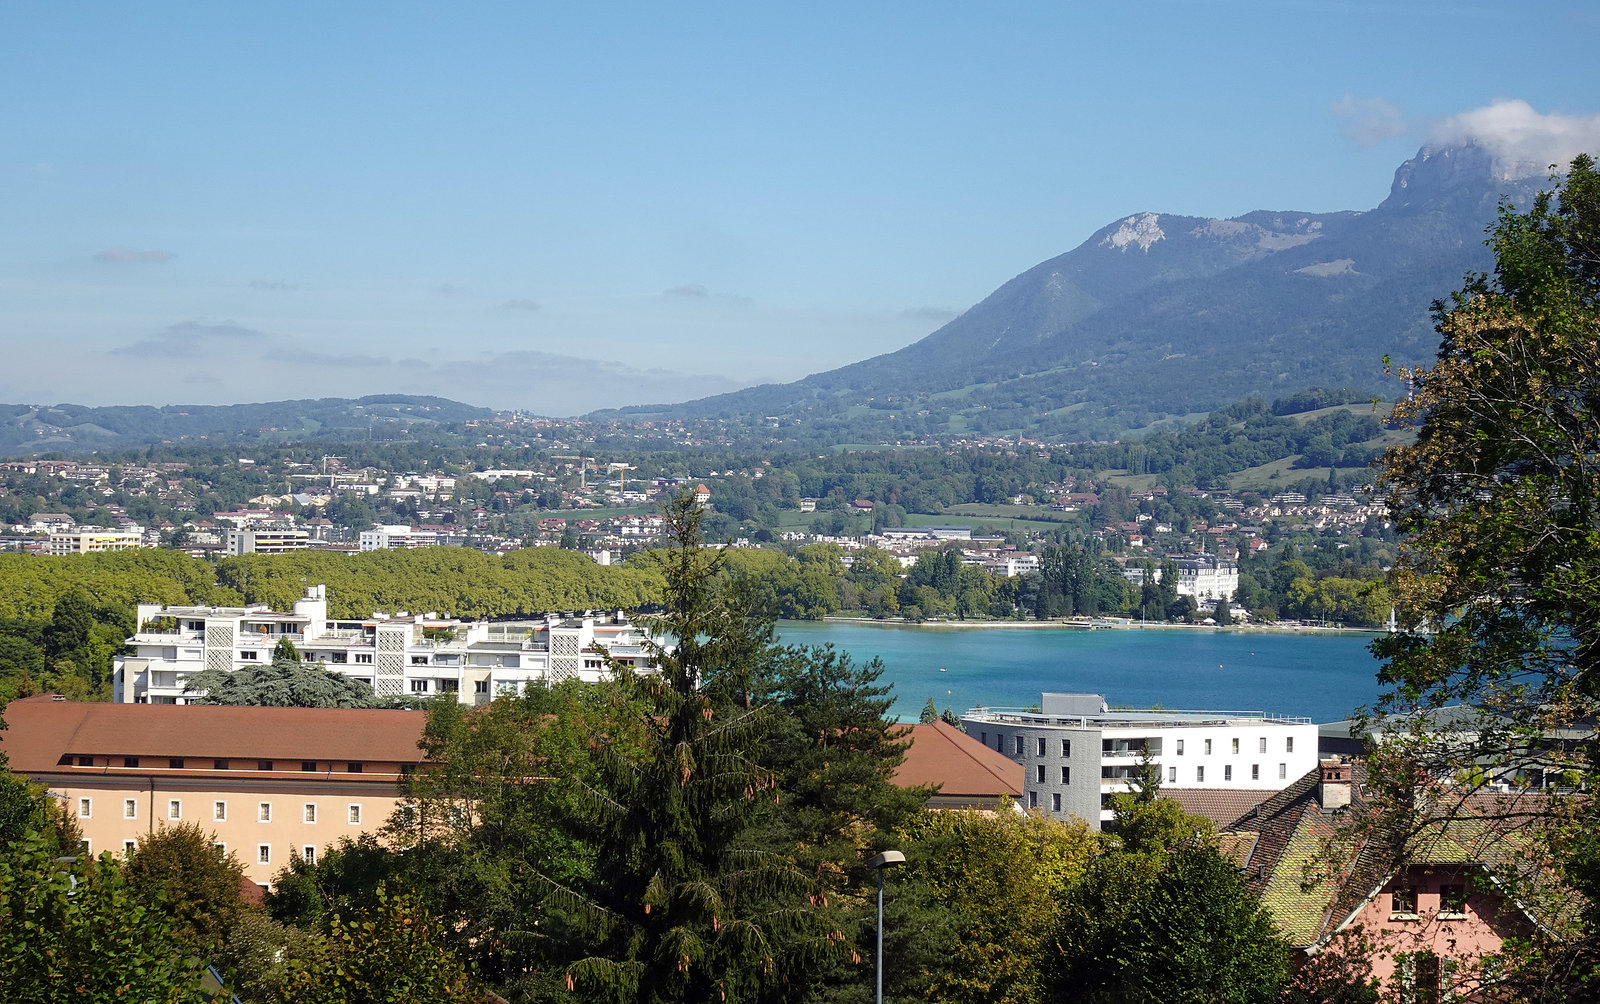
(559, 207)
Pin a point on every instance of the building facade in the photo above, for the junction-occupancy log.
(1076, 753)
(400, 655)
(94, 539)
(263, 540)
(269, 784)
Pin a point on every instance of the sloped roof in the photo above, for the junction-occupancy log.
(1311, 877)
(1221, 806)
(42, 730)
(942, 754)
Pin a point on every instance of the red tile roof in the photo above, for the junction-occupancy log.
(942, 754)
(42, 730)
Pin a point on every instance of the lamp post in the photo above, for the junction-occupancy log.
(878, 863)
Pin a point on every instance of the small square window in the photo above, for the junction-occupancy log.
(1066, 774)
(1255, 772)
(309, 853)
(130, 761)
(419, 686)
(264, 812)
(1040, 744)
(130, 808)
(263, 765)
(1199, 774)
(1180, 747)
(1208, 747)
(1038, 773)
(220, 847)
(1172, 775)
(309, 766)
(1033, 799)
(174, 809)
(86, 761)
(1453, 899)
(128, 847)
(355, 814)
(1288, 744)
(1055, 802)
(1236, 745)
(1227, 772)
(219, 765)
(1404, 901)
(353, 768)
(85, 808)
(175, 763)
(311, 812)
(219, 810)
(1283, 771)
(1017, 745)
(1066, 747)
(480, 687)
(1263, 744)
(263, 854)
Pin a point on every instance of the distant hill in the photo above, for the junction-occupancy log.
(1159, 315)
(76, 428)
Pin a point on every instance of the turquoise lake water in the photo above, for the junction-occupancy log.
(1321, 676)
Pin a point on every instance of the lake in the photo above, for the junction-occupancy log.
(1321, 675)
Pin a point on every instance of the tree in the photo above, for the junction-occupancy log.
(682, 909)
(77, 931)
(1159, 914)
(1498, 576)
(285, 651)
(1500, 493)
(197, 884)
(930, 712)
(392, 952)
(281, 684)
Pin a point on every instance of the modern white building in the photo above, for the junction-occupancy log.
(394, 535)
(399, 655)
(268, 540)
(1076, 753)
(93, 539)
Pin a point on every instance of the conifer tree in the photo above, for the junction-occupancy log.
(680, 907)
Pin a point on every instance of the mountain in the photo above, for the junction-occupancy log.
(76, 428)
(1159, 315)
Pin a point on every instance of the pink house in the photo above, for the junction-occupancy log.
(1430, 919)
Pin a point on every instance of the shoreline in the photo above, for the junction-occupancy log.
(1094, 625)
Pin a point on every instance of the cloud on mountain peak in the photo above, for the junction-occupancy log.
(1523, 142)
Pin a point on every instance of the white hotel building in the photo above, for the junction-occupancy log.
(1076, 753)
(399, 655)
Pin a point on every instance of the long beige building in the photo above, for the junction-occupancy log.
(268, 783)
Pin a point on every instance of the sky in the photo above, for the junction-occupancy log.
(563, 207)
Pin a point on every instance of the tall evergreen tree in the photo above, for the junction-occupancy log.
(682, 908)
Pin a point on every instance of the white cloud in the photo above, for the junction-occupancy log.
(520, 303)
(1368, 121)
(693, 289)
(1522, 142)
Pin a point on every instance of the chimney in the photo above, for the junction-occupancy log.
(1334, 791)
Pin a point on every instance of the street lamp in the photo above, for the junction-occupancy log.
(886, 859)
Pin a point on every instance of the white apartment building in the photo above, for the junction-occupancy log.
(399, 655)
(93, 539)
(267, 541)
(1203, 577)
(1076, 753)
(394, 535)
